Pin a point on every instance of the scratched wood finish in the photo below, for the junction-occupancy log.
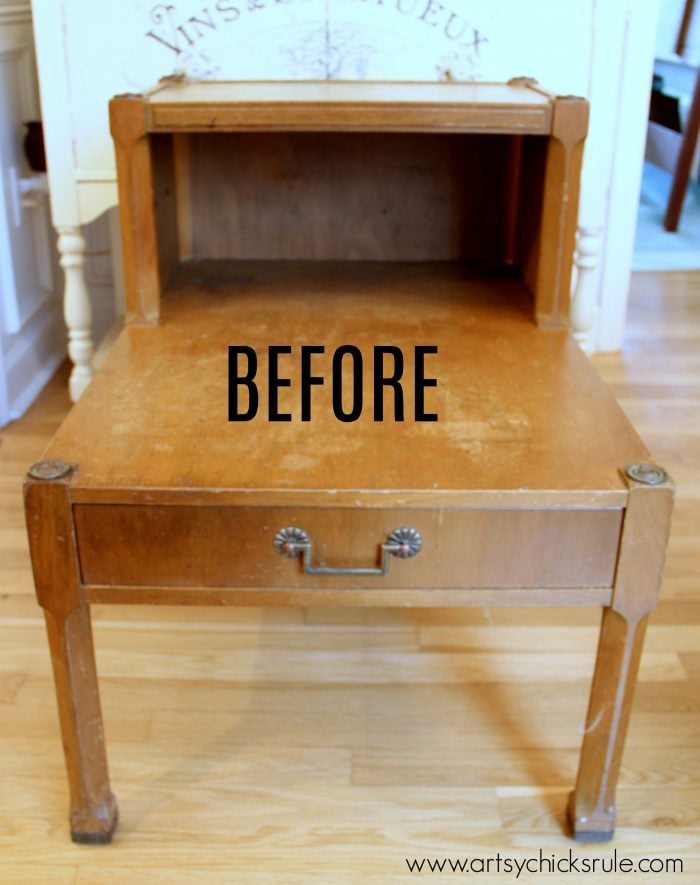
(506, 391)
(377, 597)
(93, 811)
(138, 217)
(372, 734)
(179, 111)
(346, 196)
(457, 107)
(543, 420)
(165, 207)
(639, 574)
(547, 267)
(233, 547)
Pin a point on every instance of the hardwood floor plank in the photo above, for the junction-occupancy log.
(541, 808)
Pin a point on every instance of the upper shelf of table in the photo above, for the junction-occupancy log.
(520, 106)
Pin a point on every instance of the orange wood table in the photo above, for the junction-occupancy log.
(332, 214)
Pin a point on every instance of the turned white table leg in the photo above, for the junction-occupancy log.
(76, 309)
(584, 301)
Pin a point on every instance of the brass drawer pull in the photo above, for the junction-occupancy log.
(403, 542)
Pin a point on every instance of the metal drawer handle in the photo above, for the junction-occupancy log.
(403, 542)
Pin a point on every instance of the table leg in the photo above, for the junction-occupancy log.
(592, 806)
(93, 810)
(637, 583)
(684, 163)
(52, 544)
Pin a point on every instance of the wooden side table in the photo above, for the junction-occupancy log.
(405, 249)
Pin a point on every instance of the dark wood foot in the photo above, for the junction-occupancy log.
(593, 836)
(594, 828)
(99, 830)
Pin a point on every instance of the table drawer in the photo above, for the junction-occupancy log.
(220, 546)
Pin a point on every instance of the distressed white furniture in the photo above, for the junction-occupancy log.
(88, 52)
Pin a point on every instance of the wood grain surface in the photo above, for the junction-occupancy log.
(344, 196)
(322, 140)
(457, 107)
(233, 547)
(519, 408)
(328, 745)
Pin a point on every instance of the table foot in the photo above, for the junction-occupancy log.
(99, 830)
(593, 828)
(594, 836)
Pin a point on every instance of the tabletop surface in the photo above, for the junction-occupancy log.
(330, 91)
(518, 407)
(177, 104)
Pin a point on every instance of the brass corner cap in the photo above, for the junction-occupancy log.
(49, 470)
(647, 474)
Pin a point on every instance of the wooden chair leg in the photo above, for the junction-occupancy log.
(684, 163)
(93, 810)
(592, 805)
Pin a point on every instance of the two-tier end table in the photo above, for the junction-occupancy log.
(391, 265)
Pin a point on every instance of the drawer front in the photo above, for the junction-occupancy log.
(210, 546)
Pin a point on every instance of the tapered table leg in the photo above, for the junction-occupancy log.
(93, 810)
(592, 807)
(637, 582)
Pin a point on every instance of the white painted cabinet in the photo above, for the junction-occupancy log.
(89, 51)
(31, 331)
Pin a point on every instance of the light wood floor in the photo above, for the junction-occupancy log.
(285, 746)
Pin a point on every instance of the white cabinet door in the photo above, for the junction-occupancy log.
(25, 266)
(31, 333)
